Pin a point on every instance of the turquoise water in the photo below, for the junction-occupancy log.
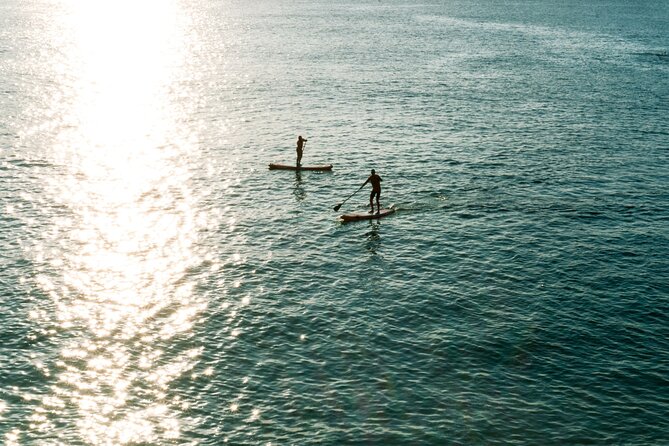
(159, 285)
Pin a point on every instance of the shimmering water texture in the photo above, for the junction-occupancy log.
(159, 285)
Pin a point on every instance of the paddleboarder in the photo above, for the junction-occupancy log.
(375, 180)
(300, 145)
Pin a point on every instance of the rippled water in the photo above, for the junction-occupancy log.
(159, 285)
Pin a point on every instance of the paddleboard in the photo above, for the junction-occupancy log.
(274, 166)
(367, 215)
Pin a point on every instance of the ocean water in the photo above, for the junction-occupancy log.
(160, 286)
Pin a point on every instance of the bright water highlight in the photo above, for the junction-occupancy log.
(159, 285)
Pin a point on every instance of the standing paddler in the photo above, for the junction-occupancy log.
(301, 142)
(375, 180)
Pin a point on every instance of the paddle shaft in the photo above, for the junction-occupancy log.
(302, 150)
(336, 208)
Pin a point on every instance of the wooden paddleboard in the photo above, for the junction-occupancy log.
(274, 166)
(367, 215)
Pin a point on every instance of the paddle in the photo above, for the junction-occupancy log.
(336, 208)
(298, 164)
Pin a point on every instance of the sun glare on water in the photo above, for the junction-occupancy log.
(120, 251)
(126, 53)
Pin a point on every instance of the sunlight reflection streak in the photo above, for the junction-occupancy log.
(130, 237)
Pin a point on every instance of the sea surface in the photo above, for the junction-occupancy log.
(159, 285)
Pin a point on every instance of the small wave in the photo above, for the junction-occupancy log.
(468, 216)
(433, 202)
(661, 55)
(410, 208)
(30, 163)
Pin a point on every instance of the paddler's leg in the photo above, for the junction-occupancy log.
(371, 202)
(378, 204)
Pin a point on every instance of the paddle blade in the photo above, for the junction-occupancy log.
(336, 208)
